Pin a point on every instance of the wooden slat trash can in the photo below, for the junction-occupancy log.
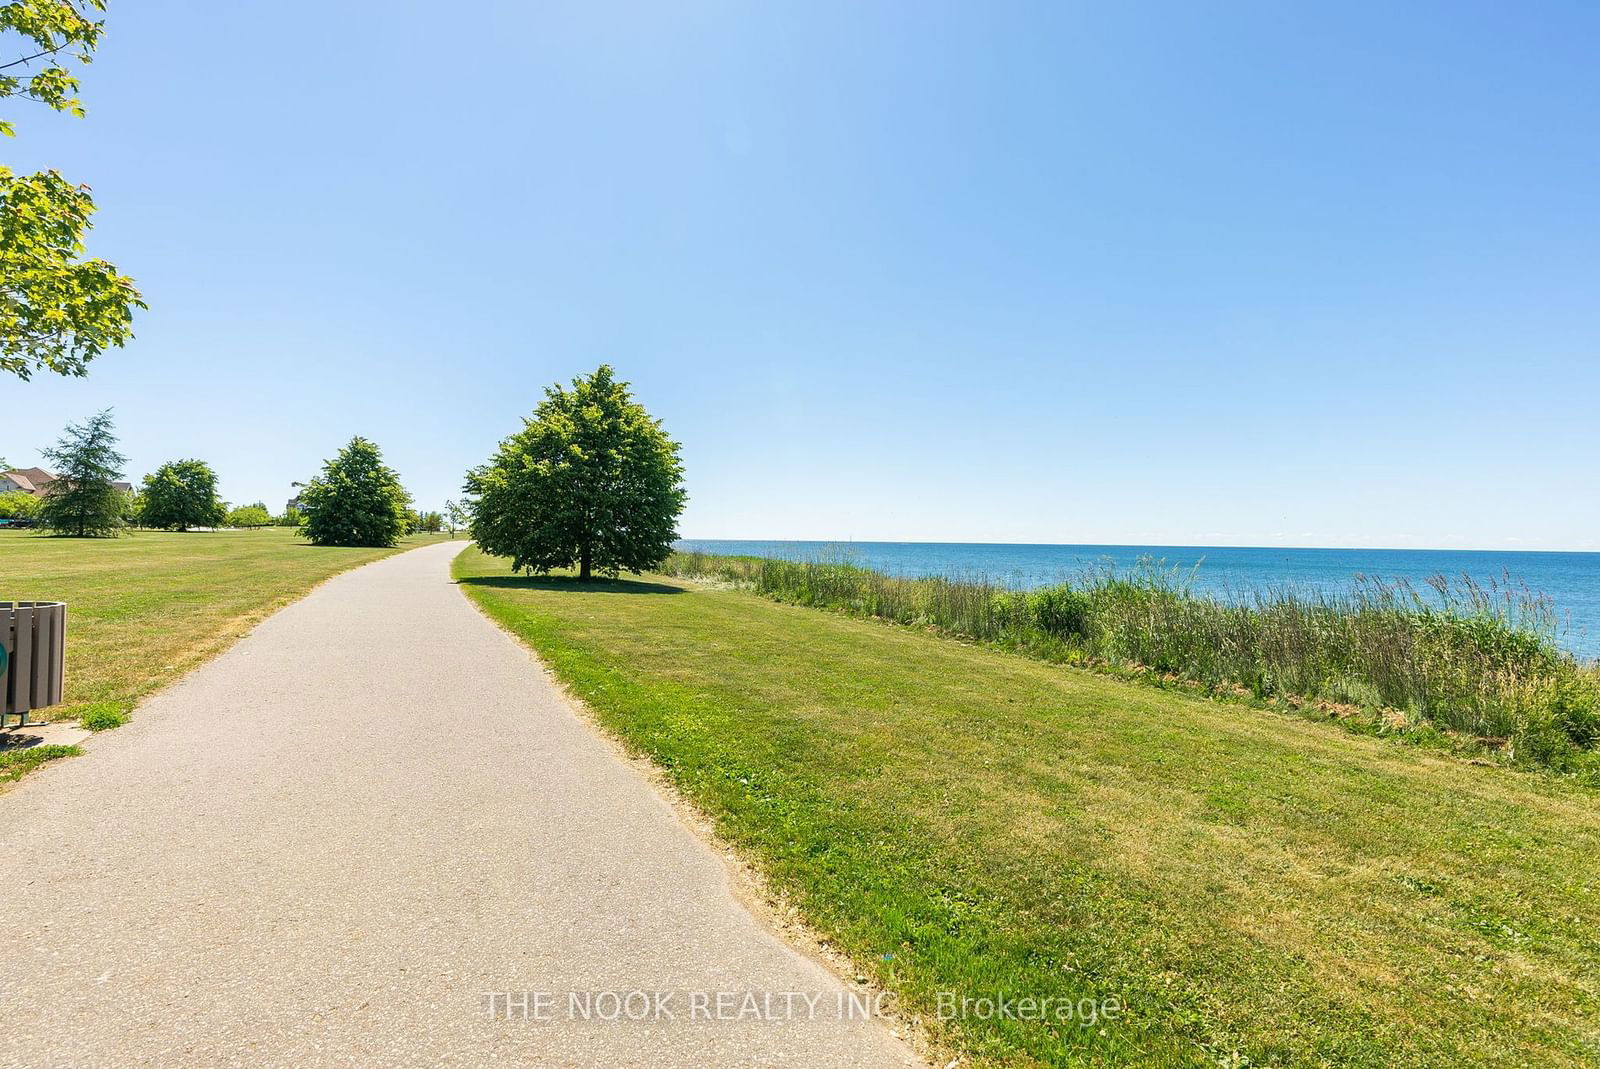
(33, 648)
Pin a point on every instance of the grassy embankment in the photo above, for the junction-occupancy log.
(144, 609)
(1255, 888)
(1454, 665)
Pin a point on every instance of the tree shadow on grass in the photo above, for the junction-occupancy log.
(569, 584)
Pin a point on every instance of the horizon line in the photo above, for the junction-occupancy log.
(1144, 545)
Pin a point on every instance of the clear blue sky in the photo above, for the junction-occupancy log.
(1231, 273)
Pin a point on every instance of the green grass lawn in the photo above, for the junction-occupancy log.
(145, 608)
(1254, 888)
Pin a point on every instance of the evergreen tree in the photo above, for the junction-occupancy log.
(591, 480)
(82, 501)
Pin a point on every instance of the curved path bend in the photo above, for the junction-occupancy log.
(332, 844)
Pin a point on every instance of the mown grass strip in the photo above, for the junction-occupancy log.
(1253, 888)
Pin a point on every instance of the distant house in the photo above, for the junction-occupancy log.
(28, 480)
(35, 481)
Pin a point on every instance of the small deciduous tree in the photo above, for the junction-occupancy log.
(181, 494)
(82, 501)
(58, 311)
(249, 516)
(356, 501)
(591, 480)
(457, 516)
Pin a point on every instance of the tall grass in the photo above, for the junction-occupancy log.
(1455, 656)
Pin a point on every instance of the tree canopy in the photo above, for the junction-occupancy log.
(181, 494)
(18, 505)
(249, 516)
(590, 481)
(81, 500)
(356, 501)
(58, 310)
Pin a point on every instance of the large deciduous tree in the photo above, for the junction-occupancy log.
(179, 495)
(590, 481)
(356, 501)
(82, 499)
(58, 310)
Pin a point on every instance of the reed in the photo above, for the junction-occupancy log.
(1479, 663)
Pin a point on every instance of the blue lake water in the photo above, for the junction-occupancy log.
(1570, 580)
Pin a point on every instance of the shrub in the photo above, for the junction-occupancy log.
(19, 505)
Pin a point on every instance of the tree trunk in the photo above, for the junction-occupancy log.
(585, 560)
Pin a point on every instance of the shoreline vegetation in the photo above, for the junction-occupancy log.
(1455, 665)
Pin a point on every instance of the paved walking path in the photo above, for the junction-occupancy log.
(326, 846)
